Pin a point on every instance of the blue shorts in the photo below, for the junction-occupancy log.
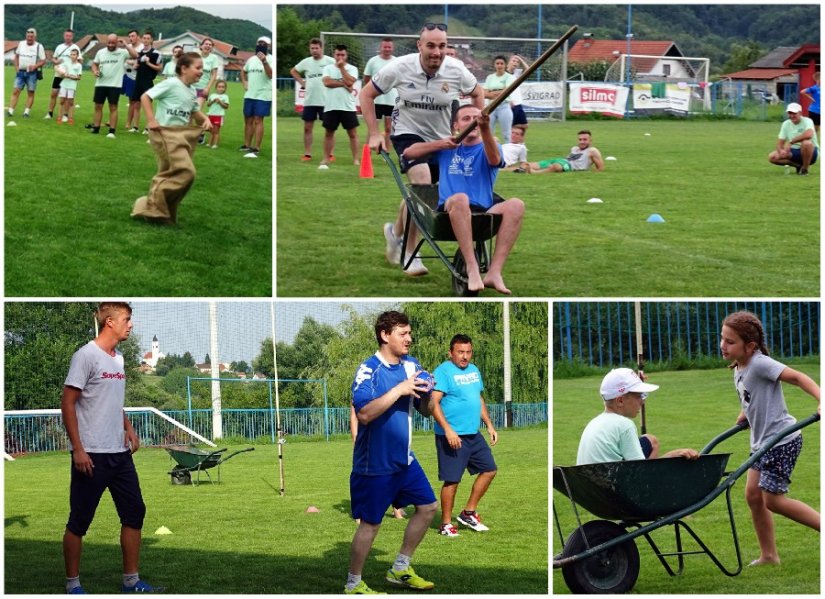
(113, 471)
(519, 116)
(796, 155)
(259, 108)
(128, 85)
(312, 113)
(647, 446)
(404, 141)
(27, 80)
(474, 456)
(372, 495)
(776, 465)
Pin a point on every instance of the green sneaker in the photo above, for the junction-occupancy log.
(361, 589)
(409, 578)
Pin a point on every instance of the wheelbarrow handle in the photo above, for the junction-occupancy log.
(234, 453)
(739, 426)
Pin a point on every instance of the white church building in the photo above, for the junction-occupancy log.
(151, 358)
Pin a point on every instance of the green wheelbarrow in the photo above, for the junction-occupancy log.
(189, 458)
(600, 556)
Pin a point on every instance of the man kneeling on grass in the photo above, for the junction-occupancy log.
(468, 174)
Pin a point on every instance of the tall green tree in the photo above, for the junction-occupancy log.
(292, 38)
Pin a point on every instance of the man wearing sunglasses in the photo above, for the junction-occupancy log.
(429, 84)
(611, 436)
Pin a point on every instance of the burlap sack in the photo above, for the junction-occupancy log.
(173, 147)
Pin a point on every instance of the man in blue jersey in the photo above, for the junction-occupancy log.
(384, 469)
(458, 407)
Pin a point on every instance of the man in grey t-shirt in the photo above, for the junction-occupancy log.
(102, 441)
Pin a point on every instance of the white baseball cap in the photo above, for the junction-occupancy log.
(265, 39)
(620, 381)
(793, 107)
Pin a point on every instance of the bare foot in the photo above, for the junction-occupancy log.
(399, 514)
(764, 562)
(474, 282)
(497, 283)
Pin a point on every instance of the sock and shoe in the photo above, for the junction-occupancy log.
(26, 113)
(471, 520)
(48, 116)
(306, 157)
(133, 584)
(402, 573)
(393, 253)
(448, 530)
(253, 153)
(356, 586)
(73, 586)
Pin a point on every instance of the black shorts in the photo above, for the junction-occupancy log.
(383, 110)
(140, 89)
(107, 94)
(332, 118)
(519, 116)
(404, 141)
(113, 471)
(56, 82)
(814, 116)
(312, 113)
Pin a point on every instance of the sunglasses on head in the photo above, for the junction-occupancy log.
(439, 26)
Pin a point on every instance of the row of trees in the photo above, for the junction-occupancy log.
(40, 339)
(731, 36)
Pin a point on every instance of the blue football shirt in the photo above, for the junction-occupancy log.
(466, 170)
(461, 403)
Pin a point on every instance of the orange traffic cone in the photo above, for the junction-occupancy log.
(366, 163)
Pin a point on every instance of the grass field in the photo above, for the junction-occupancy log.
(68, 196)
(688, 410)
(734, 225)
(241, 537)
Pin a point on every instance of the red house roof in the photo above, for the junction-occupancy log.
(589, 50)
(766, 74)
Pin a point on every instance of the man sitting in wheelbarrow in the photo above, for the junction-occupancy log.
(611, 436)
(468, 174)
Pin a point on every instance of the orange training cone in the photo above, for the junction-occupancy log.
(366, 163)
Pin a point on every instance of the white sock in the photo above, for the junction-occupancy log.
(130, 580)
(402, 562)
(72, 583)
(352, 580)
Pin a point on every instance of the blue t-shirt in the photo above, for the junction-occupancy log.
(461, 403)
(813, 91)
(384, 445)
(466, 170)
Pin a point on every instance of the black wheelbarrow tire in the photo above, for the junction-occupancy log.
(612, 571)
(460, 288)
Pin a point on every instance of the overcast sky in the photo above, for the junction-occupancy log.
(257, 13)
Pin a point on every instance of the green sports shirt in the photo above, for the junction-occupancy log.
(112, 65)
(175, 102)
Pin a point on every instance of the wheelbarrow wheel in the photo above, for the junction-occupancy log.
(613, 571)
(460, 288)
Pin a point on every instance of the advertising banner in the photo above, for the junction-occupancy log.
(604, 98)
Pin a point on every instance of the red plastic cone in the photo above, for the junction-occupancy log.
(366, 163)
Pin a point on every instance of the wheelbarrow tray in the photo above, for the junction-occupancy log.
(640, 490)
(189, 457)
(424, 201)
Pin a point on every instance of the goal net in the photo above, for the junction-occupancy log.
(542, 94)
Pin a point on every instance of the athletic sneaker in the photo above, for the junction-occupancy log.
(448, 530)
(802, 171)
(409, 578)
(26, 114)
(141, 587)
(10, 112)
(133, 130)
(78, 590)
(361, 589)
(244, 148)
(331, 158)
(393, 252)
(306, 158)
(46, 118)
(471, 520)
(417, 269)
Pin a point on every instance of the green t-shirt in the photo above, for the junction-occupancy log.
(169, 68)
(495, 82)
(789, 130)
(374, 65)
(339, 98)
(216, 109)
(313, 72)
(176, 102)
(71, 68)
(210, 63)
(609, 437)
(112, 67)
(258, 85)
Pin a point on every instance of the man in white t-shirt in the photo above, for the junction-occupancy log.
(309, 74)
(28, 58)
(61, 58)
(611, 436)
(102, 441)
(339, 105)
(797, 145)
(385, 103)
(429, 84)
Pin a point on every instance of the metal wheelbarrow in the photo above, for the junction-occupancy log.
(189, 458)
(601, 556)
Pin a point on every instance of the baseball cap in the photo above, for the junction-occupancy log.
(31, 30)
(263, 38)
(793, 107)
(620, 381)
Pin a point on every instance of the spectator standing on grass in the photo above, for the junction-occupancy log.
(60, 57)
(339, 108)
(797, 145)
(812, 93)
(130, 79)
(216, 107)
(72, 70)
(169, 66)
(495, 84)
(211, 64)
(516, 66)
(256, 78)
(458, 409)
(101, 442)
(385, 103)
(384, 469)
(109, 66)
(309, 74)
(149, 64)
(29, 57)
(429, 84)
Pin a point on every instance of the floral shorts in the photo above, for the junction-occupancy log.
(776, 465)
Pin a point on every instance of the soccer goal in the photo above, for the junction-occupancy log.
(542, 94)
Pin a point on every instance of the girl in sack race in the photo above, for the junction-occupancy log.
(173, 140)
